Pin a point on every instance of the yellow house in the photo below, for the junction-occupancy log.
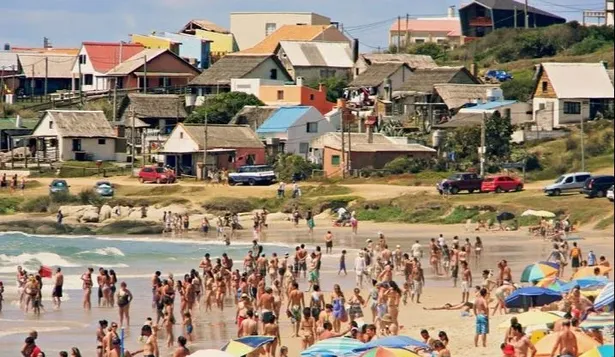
(155, 42)
(223, 41)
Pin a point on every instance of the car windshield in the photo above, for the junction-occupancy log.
(263, 168)
(560, 179)
(160, 170)
(59, 183)
(454, 177)
(103, 183)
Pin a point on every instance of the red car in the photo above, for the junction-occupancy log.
(156, 174)
(500, 184)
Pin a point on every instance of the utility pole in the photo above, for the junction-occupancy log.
(33, 81)
(145, 74)
(349, 161)
(119, 60)
(80, 81)
(46, 73)
(2, 93)
(407, 32)
(483, 144)
(515, 22)
(343, 163)
(133, 150)
(582, 146)
(527, 17)
(205, 149)
(398, 34)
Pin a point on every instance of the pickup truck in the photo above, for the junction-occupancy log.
(465, 181)
(252, 175)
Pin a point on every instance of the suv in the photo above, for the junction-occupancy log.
(58, 186)
(597, 186)
(465, 181)
(252, 175)
(567, 182)
(495, 75)
(156, 174)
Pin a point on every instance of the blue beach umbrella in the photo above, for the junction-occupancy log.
(392, 342)
(531, 297)
(337, 346)
(605, 297)
(589, 282)
(538, 271)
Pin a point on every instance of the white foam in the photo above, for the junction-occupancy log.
(110, 265)
(107, 251)
(45, 258)
(22, 330)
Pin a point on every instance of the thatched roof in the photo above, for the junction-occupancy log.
(380, 143)
(58, 65)
(224, 136)
(253, 116)
(456, 95)
(80, 123)
(153, 106)
(424, 79)
(413, 61)
(228, 67)
(375, 74)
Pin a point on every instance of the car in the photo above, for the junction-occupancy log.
(609, 194)
(495, 75)
(253, 175)
(104, 188)
(567, 182)
(597, 186)
(499, 184)
(58, 186)
(465, 181)
(156, 174)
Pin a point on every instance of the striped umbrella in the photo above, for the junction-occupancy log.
(332, 347)
(600, 351)
(552, 282)
(389, 352)
(605, 297)
(393, 342)
(589, 282)
(538, 271)
(598, 321)
(244, 345)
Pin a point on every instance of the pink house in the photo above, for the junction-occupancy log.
(444, 30)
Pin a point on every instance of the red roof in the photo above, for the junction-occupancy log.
(452, 26)
(105, 55)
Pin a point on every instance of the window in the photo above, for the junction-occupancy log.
(82, 59)
(311, 96)
(545, 86)
(163, 82)
(304, 148)
(76, 144)
(250, 159)
(568, 180)
(312, 127)
(419, 40)
(572, 108)
(270, 28)
(88, 79)
(582, 178)
(273, 74)
(280, 95)
(51, 124)
(102, 141)
(441, 41)
(181, 134)
(356, 71)
(326, 73)
(335, 160)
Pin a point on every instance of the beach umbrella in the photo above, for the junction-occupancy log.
(589, 282)
(600, 351)
(604, 320)
(531, 318)
(545, 214)
(545, 345)
(211, 353)
(332, 347)
(552, 282)
(393, 342)
(605, 297)
(589, 271)
(388, 352)
(505, 216)
(247, 344)
(538, 271)
(531, 297)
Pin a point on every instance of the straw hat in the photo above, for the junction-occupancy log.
(387, 318)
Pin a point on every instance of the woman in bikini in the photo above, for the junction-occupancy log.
(209, 289)
(106, 288)
(272, 329)
(86, 278)
(235, 280)
(338, 301)
(179, 287)
(100, 335)
(478, 248)
(220, 293)
(356, 303)
(277, 297)
(393, 297)
(189, 294)
(308, 329)
(124, 297)
(112, 283)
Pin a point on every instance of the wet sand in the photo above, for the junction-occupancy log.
(71, 326)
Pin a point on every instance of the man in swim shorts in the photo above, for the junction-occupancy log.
(58, 282)
(466, 282)
(296, 304)
(481, 311)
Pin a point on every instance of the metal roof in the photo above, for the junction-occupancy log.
(579, 80)
(57, 66)
(283, 119)
(488, 106)
(318, 54)
(8, 61)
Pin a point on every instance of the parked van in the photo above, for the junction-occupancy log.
(567, 182)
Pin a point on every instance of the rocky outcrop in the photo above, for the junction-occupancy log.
(105, 213)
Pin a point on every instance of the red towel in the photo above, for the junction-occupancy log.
(45, 272)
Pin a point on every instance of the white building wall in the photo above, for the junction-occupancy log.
(572, 118)
(180, 142)
(298, 134)
(91, 146)
(98, 82)
(252, 85)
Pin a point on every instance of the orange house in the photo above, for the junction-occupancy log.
(296, 94)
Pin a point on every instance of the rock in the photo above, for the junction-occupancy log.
(326, 214)
(47, 229)
(134, 213)
(90, 215)
(105, 213)
(75, 211)
(277, 217)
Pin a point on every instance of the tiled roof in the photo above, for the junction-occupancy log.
(104, 55)
(58, 65)
(8, 61)
(375, 74)
(413, 61)
(579, 80)
(318, 54)
(450, 26)
(456, 95)
(154, 106)
(380, 143)
(296, 33)
(282, 119)
(81, 123)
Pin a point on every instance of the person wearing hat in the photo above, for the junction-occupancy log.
(388, 327)
(360, 269)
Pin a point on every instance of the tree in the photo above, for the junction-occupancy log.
(464, 143)
(498, 131)
(335, 86)
(434, 50)
(221, 108)
(288, 166)
(518, 89)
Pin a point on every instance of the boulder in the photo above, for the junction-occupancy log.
(277, 217)
(90, 215)
(75, 211)
(326, 214)
(47, 229)
(105, 213)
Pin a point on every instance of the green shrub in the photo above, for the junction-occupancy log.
(38, 204)
(9, 205)
(587, 46)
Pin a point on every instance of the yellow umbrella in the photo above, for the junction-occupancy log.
(532, 318)
(589, 271)
(545, 345)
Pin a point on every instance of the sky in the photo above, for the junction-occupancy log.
(67, 23)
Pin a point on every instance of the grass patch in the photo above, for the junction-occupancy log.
(10, 205)
(325, 190)
(604, 223)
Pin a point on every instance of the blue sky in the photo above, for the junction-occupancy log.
(69, 22)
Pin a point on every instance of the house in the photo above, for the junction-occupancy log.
(382, 76)
(292, 129)
(222, 41)
(363, 150)
(305, 33)
(481, 17)
(444, 30)
(35, 67)
(250, 28)
(609, 13)
(566, 93)
(473, 115)
(316, 60)
(95, 59)
(49, 50)
(228, 146)
(253, 116)
(282, 94)
(156, 42)
(152, 69)
(13, 128)
(80, 135)
(218, 77)
(195, 50)
(413, 61)
(9, 73)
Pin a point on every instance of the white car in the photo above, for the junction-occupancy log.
(609, 194)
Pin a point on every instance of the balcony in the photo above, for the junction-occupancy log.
(481, 22)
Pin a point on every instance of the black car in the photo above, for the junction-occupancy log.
(597, 186)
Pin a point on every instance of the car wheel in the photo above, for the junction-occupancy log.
(251, 182)
(454, 190)
(519, 188)
(601, 194)
(498, 190)
(141, 180)
(471, 191)
(557, 192)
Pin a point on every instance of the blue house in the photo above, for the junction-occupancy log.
(191, 47)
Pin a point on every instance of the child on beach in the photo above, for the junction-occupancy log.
(188, 328)
(343, 263)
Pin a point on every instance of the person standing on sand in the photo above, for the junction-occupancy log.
(58, 282)
(481, 311)
(505, 273)
(309, 219)
(86, 278)
(359, 269)
(295, 306)
(328, 242)
(466, 282)
(124, 297)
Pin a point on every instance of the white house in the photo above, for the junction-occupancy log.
(75, 135)
(295, 127)
(252, 85)
(566, 93)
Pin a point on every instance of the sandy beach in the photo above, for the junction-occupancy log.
(71, 326)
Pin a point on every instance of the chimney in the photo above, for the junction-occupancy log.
(355, 50)
(451, 12)
(299, 81)
(474, 69)
(18, 121)
(605, 64)
(388, 89)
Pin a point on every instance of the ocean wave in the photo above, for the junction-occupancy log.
(44, 258)
(25, 330)
(110, 265)
(107, 251)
